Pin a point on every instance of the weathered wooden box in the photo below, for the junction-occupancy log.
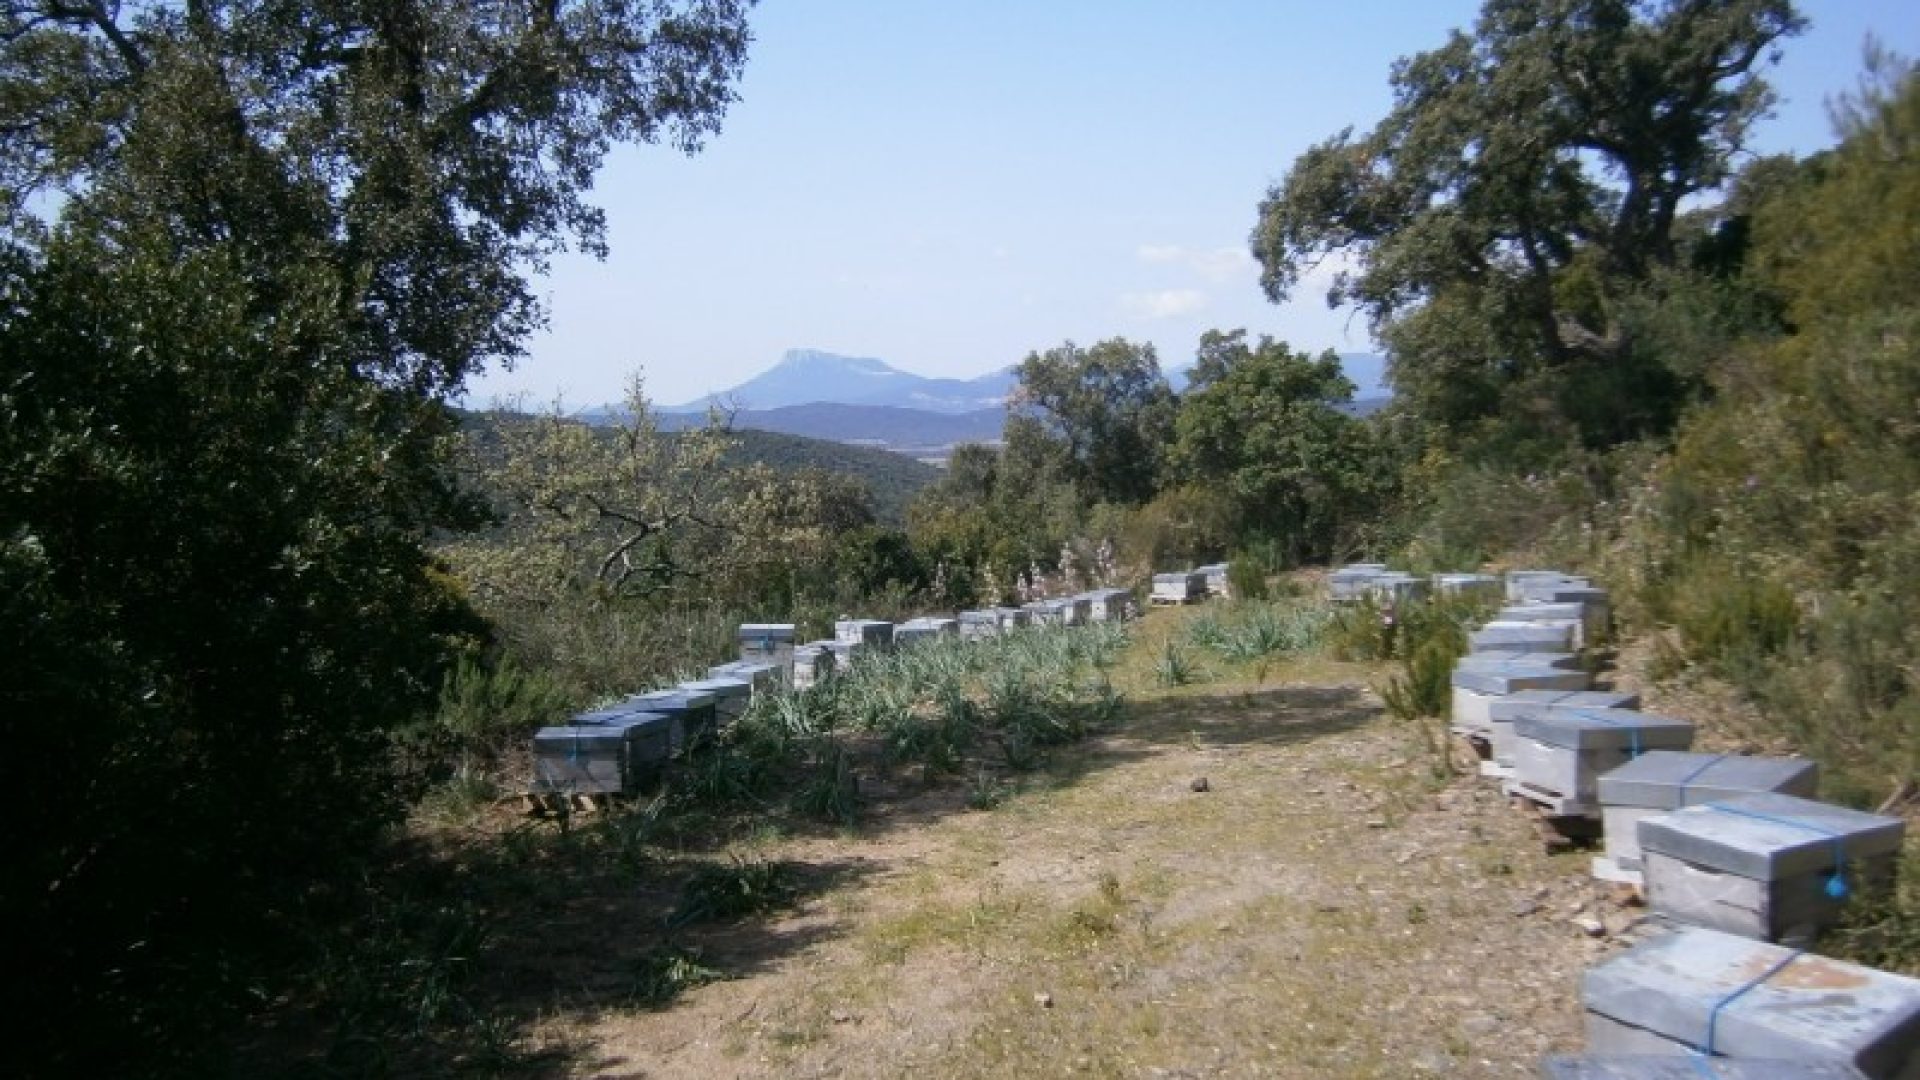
(1699, 991)
(1475, 688)
(1559, 755)
(1663, 780)
(1503, 712)
(1216, 577)
(1766, 866)
(770, 643)
(979, 624)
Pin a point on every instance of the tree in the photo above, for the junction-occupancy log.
(251, 249)
(1527, 178)
(1106, 410)
(1261, 426)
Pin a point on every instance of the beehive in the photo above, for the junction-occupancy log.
(1559, 755)
(1663, 780)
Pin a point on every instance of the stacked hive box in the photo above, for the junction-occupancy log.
(1664, 780)
(767, 643)
(1559, 756)
(870, 633)
(1013, 618)
(1045, 612)
(606, 752)
(1584, 631)
(915, 631)
(1502, 713)
(1395, 589)
(1216, 578)
(1765, 866)
(1702, 992)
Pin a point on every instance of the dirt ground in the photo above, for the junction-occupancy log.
(1327, 906)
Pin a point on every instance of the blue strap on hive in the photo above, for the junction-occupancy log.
(1837, 882)
(1633, 730)
(1713, 1015)
(1695, 774)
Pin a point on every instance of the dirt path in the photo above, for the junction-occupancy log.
(1323, 909)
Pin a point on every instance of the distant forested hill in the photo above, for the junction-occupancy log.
(893, 478)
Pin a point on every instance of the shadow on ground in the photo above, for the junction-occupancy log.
(468, 948)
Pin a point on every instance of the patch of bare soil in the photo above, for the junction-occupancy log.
(1324, 907)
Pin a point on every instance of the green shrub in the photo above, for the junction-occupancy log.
(1731, 620)
(743, 887)
(1247, 578)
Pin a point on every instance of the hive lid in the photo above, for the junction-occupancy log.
(1668, 779)
(1767, 837)
(1604, 729)
(1547, 612)
(1509, 678)
(1496, 659)
(720, 687)
(601, 716)
(1691, 1067)
(669, 701)
(591, 738)
(1527, 702)
(1811, 1009)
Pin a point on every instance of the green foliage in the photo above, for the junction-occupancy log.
(734, 890)
(1174, 667)
(1106, 411)
(1491, 253)
(489, 709)
(663, 973)
(1261, 424)
(1247, 577)
(882, 480)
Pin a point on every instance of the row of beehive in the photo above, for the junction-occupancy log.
(1733, 852)
(626, 746)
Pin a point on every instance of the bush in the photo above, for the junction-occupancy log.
(1247, 578)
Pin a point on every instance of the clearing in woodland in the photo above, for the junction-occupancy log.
(1324, 907)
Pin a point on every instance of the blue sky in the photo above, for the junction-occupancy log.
(950, 186)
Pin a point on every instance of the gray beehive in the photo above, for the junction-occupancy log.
(1045, 613)
(846, 653)
(1346, 583)
(1691, 1067)
(1500, 661)
(812, 664)
(588, 759)
(763, 677)
(730, 695)
(1216, 578)
(1702, 991)
(1477, 585)
(1395, 588)
(1544, 590)
(1539, 636)
(1559, 755)
(769, 643)
(1502, 712)
(872, 633)
(914, 631)
(1519, 580)
(1077, 610)
(1110, 605)
(979, 624)
(1664, 780)
(692, 713)
(1765, 866)
(1475, 688)
(1014, 618)
(1591, 622)
(1184, 587)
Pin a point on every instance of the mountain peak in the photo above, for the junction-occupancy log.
(812, 376)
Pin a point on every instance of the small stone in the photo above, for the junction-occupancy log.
(841, 1016)
(1043, 999)
(1223, 927)
(1524, 908)
(1376, 823)
(1200, 784)
(1591, 926)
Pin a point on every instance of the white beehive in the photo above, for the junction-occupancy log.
(767, 643)
(1503, 712)
(1475, 688)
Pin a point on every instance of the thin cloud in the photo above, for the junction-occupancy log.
(1163, 304)
(1218, 265)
